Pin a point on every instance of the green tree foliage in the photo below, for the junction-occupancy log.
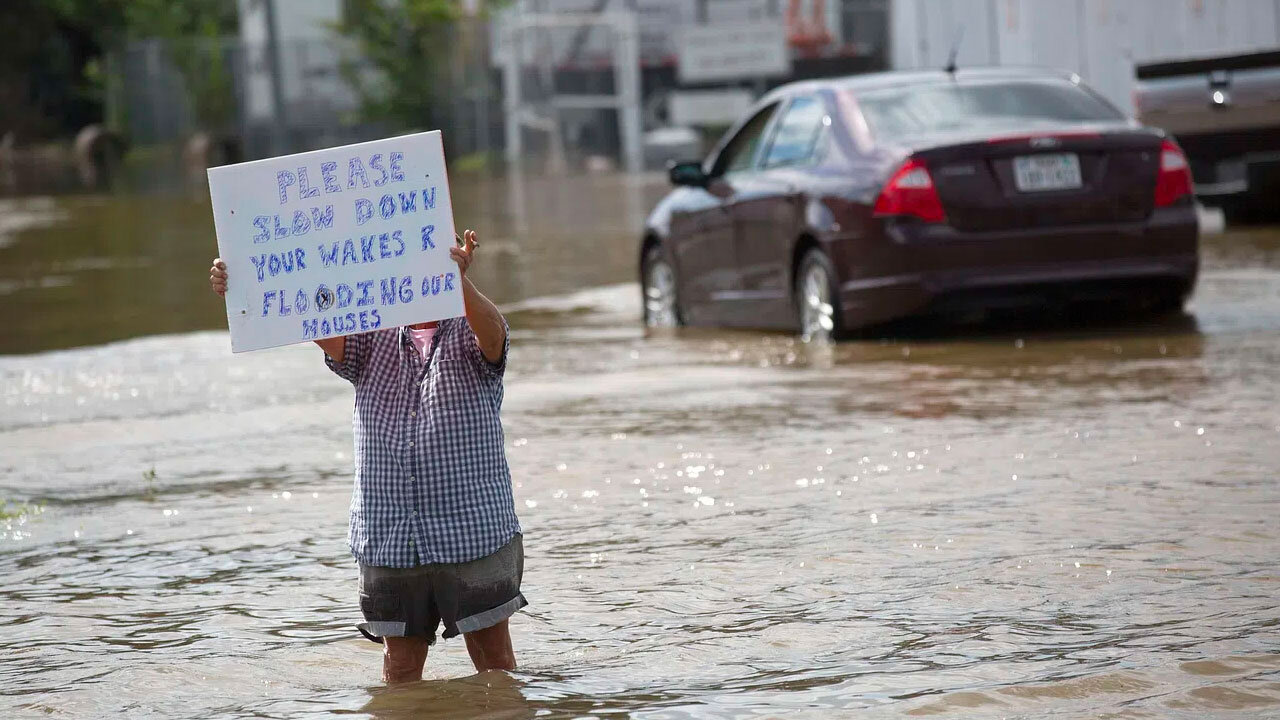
(185, 18)
(409, 44)
(44, 49)
(193, 31)
(52, 54)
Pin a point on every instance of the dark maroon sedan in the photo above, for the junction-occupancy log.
(839, 204)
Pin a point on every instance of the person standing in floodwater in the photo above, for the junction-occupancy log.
(433, 524)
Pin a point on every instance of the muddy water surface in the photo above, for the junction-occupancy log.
(1062, 523)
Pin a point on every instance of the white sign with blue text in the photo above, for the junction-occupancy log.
(336, 242)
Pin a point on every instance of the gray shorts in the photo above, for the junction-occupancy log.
(469, 596)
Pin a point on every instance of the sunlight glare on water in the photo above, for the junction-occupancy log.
(1067, 523)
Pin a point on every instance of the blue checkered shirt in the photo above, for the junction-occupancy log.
(432, 482)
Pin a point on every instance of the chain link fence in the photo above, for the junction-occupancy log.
(254, 105)
(164, 91)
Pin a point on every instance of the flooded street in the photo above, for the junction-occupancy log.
(1072, 522)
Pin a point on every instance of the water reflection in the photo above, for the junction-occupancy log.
(88, 269)
(1076, 521)
(486, 696)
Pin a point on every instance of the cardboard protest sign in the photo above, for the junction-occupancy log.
(336, 242)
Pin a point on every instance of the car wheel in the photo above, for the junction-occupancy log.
(815, 291)
(661, 305)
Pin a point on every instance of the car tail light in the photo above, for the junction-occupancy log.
(910, 192)
(1173, 182)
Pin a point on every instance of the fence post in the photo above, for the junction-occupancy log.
(114, 101)
(280, 120)
(511, 97)
(627, 68)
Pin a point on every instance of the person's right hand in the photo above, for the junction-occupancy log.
(218, 277)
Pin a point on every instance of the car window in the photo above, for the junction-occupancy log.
(918, 110)
(739, 154)
(797, 133)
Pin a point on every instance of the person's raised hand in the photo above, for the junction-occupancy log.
(465, 254)
(218, 277)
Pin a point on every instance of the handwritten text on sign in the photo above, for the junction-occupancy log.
(336, 242)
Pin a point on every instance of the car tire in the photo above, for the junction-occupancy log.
(659, 291)
(818, 311)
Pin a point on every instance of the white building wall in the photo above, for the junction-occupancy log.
(1040, 32)
(308, 57)
(1101, 40)
(922, 32)
(1107, 51)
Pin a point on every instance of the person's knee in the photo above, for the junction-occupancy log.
(403, 658)
(495, 647)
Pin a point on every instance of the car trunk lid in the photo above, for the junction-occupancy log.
(1066, 176)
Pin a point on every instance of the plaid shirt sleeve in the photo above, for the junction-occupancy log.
(493, 371)
(355, 353)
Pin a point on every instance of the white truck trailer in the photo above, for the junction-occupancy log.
(1101, 40)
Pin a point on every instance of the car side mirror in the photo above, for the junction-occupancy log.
(687, 173)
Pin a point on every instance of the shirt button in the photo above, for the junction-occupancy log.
(410, 443)
(412, 479)
(413, 413)
(410, 541)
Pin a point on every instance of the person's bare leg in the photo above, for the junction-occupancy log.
(475, 651)
(403, 658)
(490, 648)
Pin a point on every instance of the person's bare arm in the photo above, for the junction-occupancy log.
(333, 347)
(482, 315)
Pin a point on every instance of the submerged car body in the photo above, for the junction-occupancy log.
(840, 204)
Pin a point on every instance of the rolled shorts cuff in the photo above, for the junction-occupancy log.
(493, 616)
(376, 630)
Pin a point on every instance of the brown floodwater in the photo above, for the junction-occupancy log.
(991, 522)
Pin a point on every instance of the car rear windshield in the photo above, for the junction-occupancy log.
(914, 110)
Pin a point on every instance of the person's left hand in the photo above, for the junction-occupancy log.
(465, 254)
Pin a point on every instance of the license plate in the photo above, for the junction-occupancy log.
(1037, 173)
